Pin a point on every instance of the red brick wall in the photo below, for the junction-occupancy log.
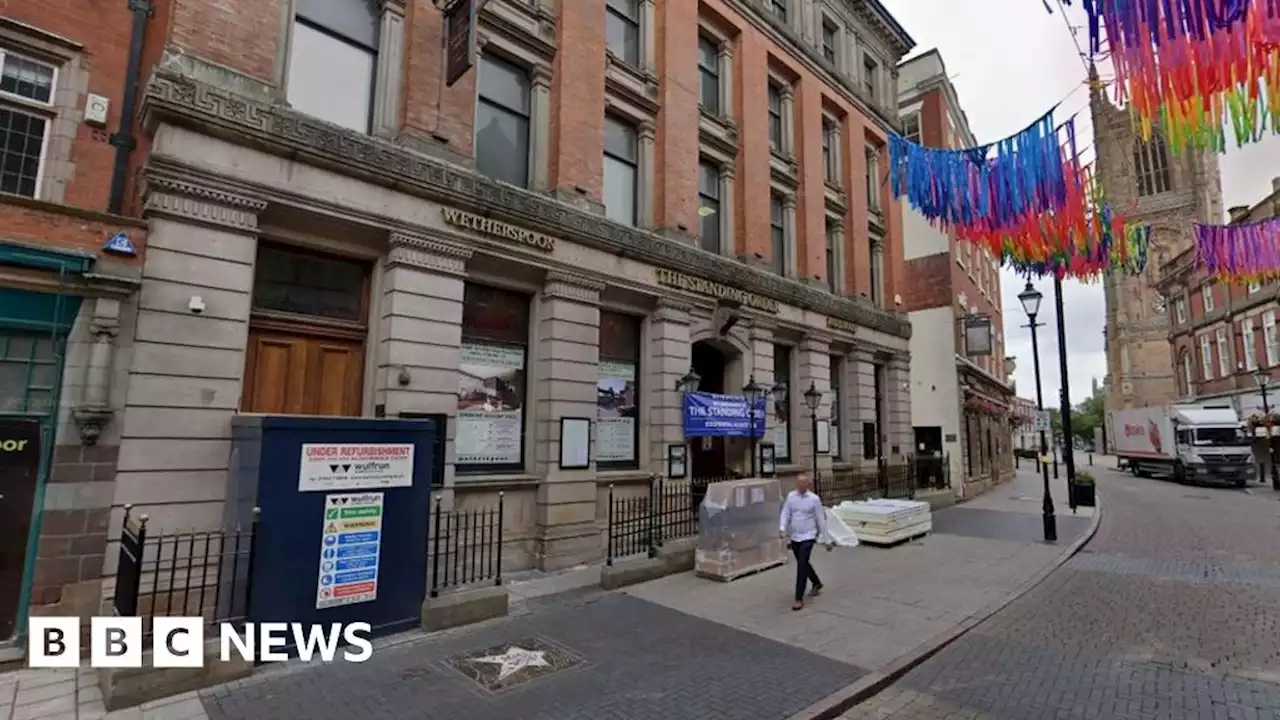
(930, 282)
(243, 36)
(577, 99)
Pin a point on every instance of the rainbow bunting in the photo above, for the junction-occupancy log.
(1247, 252)
(1193, 66)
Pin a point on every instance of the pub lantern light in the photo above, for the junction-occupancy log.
(1030, 298)
(689, 383)
(812, 397)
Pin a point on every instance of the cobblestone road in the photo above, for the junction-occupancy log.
(607, 656)
(1172, 611)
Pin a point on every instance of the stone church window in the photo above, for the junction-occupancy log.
(1151, 165)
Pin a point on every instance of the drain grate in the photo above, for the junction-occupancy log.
(1196, 497)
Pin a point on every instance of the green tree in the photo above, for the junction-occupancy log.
(1087, 417)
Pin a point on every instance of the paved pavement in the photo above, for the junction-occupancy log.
(1172, 611)
(678, 648)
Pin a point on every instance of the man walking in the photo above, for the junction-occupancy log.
(803, 513)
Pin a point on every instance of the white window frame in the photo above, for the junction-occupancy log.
(1224, 352)
(1206, 357)
(1180, 308)
(909, 120)
(1269, 338)
(45, 110)
(1254, 287)
(1187, 375)
(1247, 344)
(1206, 297)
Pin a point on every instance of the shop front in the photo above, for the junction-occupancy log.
(986, 429)
(56, 350)
(433, 292)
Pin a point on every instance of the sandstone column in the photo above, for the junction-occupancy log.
(670, 355)
(567, 371)
(814, 366)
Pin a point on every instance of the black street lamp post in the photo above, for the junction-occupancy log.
(687, 384)
(1068, 441)
(754, 394)
(1262, 378)
(813, 398)
(1030, 298)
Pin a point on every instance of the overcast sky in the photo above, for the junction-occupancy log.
(1010, 61)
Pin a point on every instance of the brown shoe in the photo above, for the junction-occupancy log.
(816, 591)
(797, 605)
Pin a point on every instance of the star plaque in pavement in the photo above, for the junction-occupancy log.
(514, 660)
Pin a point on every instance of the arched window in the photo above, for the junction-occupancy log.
(1151, 165)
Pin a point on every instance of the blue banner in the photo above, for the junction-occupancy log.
(711, 415)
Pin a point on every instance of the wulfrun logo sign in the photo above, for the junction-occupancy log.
(178, 642)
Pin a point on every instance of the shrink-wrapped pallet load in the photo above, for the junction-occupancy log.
(738, 529)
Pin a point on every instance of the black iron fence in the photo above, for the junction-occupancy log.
(932, 472)
(886, 479)
(641, 523)
(185, 574)
(466, 546)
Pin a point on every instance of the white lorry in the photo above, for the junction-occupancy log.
(1197, 444)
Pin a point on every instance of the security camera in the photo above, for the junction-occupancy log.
(196, 305)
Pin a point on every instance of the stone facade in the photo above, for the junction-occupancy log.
(1178, 190)
(232, 169)
(64, 329)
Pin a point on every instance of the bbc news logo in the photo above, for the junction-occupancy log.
(178, 642)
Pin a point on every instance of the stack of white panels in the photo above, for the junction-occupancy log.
(885, 522)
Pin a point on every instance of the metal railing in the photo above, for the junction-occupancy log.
(188, 574)
(642, 523)
(885, 479)
(466, 546)
(932, 472)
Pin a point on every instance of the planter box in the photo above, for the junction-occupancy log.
(1085, 496)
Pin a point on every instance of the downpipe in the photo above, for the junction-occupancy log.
(123, 139)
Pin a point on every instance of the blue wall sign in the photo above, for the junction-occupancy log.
(711, 415)
(120, 244)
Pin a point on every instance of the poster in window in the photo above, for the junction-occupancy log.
(780, 429)
(490, 405)
(617, 410)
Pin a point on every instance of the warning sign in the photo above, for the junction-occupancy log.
(350, 548)
(366, 466)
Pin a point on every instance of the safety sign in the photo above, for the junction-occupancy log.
(355, 466)
(350, 546)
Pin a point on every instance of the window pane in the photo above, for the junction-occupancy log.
(27, 79)
(353, 19)
(494, 314)
(709, 180)
(296, 282)
(619, 139)
(502, 144)
(21, 140)
(619, 190)
(330, 79)
(709, 210)
(710, 89)
(619, 336)
(504, 84)
(775, 211)
(623, 37)
(708, 55)
(626, 8)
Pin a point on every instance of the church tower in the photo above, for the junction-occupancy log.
(1148, 183)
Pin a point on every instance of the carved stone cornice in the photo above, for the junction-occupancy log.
(417, 251)
(670, 310)
(561, 285)
(200, 203)
(281, 131)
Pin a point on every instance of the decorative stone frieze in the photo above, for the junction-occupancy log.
(568, 286)
(195, 202)
(276, 128)
(427, 254)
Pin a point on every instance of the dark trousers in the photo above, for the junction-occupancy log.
(804, 571)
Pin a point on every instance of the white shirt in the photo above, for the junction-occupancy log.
(805, 516)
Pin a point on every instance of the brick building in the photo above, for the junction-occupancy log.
(1220, 335)
(1169, 192)
(615, 193)
(64, 299)
(960, 402)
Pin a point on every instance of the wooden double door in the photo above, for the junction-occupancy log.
(303, 372)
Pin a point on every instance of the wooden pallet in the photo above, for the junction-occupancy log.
(893, 543)
(743, 572)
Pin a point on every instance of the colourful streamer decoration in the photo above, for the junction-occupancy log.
(966, 187)
(1248, 252)
(1193, 66)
